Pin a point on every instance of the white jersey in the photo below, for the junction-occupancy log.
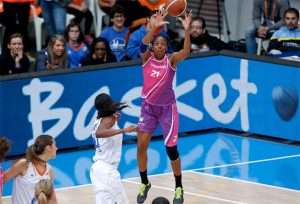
(23, 185)
(107, 149)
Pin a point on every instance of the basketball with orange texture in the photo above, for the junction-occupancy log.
(175, 7)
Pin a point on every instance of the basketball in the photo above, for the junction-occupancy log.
(175, 7)
(285, 101)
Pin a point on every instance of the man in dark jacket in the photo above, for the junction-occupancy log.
(13, 60)
(201, 40)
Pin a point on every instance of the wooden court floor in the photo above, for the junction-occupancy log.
(198, 187)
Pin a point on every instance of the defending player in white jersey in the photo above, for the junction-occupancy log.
(108, 138)
(31, 169)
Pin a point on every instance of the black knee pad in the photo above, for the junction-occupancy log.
(172, 153)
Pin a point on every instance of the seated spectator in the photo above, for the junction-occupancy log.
(201, 40)
(76, 48)
(54, 56)
(100, 53)
(134, 9)
(272, 12)
(286, 40)
(116, 33)
(13, 60)
(43, 192)
(135, 39)
(80, 10)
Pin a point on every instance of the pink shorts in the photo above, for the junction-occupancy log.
(166, 116)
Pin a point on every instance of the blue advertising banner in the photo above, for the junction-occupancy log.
(211, 92)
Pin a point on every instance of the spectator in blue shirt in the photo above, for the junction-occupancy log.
(115, 34)
(135, 39)
(76, 48)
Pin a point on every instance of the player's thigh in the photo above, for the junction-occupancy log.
(148, 120)
(169, 121)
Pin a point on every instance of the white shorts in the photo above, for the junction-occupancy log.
(107, 184)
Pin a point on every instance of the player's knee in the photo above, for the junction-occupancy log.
(173, 153)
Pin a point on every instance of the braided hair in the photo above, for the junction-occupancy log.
(106, 106)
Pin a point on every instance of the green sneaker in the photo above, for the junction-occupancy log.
(178, 197)
(141, 197)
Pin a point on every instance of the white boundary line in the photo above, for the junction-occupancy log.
(235, 164)
(189, 193)
(245, 181)
(249, 162)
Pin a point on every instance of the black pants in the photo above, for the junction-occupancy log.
(15, 18)
(80, 15)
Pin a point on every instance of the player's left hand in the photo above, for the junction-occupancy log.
(187, 20)
(160, 15)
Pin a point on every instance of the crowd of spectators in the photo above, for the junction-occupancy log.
(129, 21)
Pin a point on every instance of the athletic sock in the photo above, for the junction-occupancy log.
(178, 181)
(144, 177)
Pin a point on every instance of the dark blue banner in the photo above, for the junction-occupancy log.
(215, 91)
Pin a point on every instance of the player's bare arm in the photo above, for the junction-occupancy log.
(184, 53)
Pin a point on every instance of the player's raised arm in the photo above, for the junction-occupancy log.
(185, 51)
(159, 22)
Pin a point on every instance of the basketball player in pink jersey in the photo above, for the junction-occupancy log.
(159, 105)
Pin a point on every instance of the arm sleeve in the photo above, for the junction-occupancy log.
(25, 64)
(41, 61)
(2, 63)
(274, 44)
(133, 47)
(257, 13)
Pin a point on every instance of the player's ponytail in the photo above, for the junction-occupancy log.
(106, 106)
(38, 147)
(43, 191)
(41, 198)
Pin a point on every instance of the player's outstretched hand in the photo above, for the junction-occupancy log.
(187, 20)
(131, 128)
(160, 15)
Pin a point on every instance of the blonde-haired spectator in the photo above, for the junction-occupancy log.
(54, 56)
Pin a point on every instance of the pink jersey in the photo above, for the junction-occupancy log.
(158, 79)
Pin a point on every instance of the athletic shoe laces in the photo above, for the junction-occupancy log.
(142, 189)
(178, 193)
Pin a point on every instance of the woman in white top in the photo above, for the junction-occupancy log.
(31, 169)
(108, 138)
